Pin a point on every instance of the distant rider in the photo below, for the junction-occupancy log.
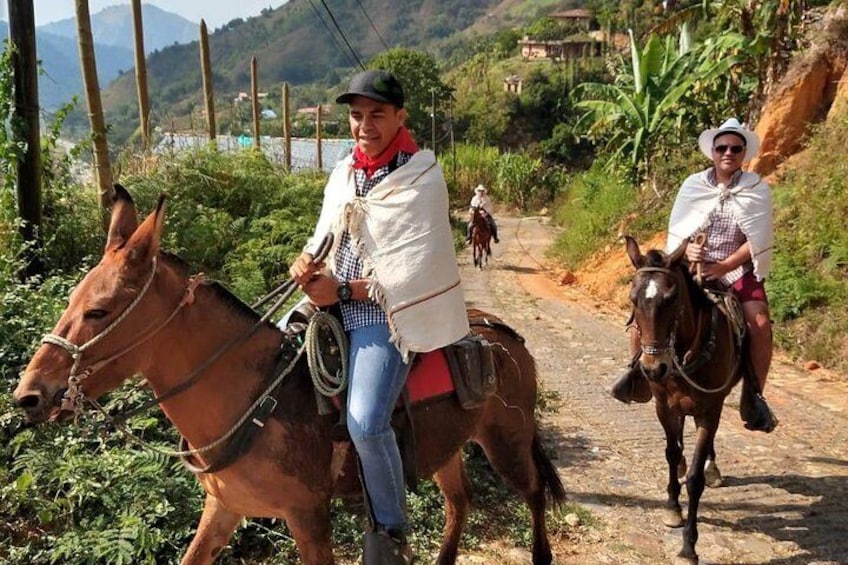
(481, 200)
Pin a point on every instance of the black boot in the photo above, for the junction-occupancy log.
(386, 548)
(755, 412)
(632, 386)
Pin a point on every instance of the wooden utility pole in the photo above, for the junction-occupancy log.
(141, 75)
(287, 126)
(318, 150)
(27, 128)
(88, 65)
(254, 92)
(206, 71)
(433, 120)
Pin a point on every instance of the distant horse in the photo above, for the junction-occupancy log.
(691, 358)
(140, 312)
(481, 236)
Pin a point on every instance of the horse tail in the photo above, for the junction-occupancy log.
(547, 472)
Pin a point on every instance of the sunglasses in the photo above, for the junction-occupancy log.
(735, 149)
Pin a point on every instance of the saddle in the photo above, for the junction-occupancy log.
(465, 369)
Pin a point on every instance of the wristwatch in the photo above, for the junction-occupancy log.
(344, 292)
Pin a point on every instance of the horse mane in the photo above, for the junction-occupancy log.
(696, 292)
(656, 258)
(233, 303)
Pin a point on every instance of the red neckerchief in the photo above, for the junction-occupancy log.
(402, 142)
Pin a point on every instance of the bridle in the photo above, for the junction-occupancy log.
(686, 366)
(74, 396)
(657, 348)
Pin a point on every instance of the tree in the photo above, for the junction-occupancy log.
(419, 75)
(25, 123)
(631, 115)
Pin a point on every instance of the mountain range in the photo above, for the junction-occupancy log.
(300, 43)
(56, 46)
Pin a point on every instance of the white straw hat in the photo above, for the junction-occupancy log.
(752, 140)
(480, 188)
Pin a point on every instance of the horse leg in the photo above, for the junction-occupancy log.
(310, 528)
(453, 482)
(514, 460)
(695, 484)
(672, 424)
(215, 529)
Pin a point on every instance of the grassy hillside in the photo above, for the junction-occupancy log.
(294, 44)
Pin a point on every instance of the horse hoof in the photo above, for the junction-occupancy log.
(672, 518)
(712, 476)
(682, 468)
(682, 560)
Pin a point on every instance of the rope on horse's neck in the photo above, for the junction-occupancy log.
(327, 383)
(227, 435)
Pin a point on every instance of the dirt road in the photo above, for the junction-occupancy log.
(785, 495)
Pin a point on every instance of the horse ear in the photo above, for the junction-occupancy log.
(677, 254)
(144, 243)
(633, 251)
(124, 220)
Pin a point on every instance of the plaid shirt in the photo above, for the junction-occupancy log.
(362, 313)
(724, 236)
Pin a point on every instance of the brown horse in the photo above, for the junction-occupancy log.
(690, 356)
(140, 312)
(481, 237)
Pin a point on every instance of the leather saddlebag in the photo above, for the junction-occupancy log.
(472, 368)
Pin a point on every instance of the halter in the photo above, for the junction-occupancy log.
(74, 396)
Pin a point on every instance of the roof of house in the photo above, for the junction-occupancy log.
(577, 13)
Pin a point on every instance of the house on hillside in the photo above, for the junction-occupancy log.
(578, 46)
(245, 97)
(311, 112)
(513, 83)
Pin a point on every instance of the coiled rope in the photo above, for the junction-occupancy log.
(326, 382)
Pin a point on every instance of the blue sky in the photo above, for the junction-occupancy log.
(215, 12)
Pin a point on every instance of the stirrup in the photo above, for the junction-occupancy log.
(386, 548)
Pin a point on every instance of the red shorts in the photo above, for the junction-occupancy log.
(749, 289)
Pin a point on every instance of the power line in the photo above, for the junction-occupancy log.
(332, 35)
(333, 18)
(372, 24)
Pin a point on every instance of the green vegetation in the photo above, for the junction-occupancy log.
(78, 495)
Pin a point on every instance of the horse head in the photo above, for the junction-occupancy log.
(656, 293)
(91, 350)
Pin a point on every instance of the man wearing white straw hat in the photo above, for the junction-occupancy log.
(482, 200)
(734, 209)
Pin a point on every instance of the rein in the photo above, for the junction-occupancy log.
(688, 366)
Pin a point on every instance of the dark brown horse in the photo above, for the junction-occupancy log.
(690, 356)
(140, 312)
(481, 236)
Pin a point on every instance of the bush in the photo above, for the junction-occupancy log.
(589, 210)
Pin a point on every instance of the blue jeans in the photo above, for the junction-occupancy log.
(377, 374)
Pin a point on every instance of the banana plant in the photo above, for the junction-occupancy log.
(630, 114)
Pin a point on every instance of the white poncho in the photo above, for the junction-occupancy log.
(402, 232)
(751, 206)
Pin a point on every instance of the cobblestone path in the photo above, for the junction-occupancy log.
(785, 495)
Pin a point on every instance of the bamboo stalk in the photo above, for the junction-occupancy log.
(254, 87)
(319, 151)
(206, 72)
(88, 64)
(141, 75)
(287, 126)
